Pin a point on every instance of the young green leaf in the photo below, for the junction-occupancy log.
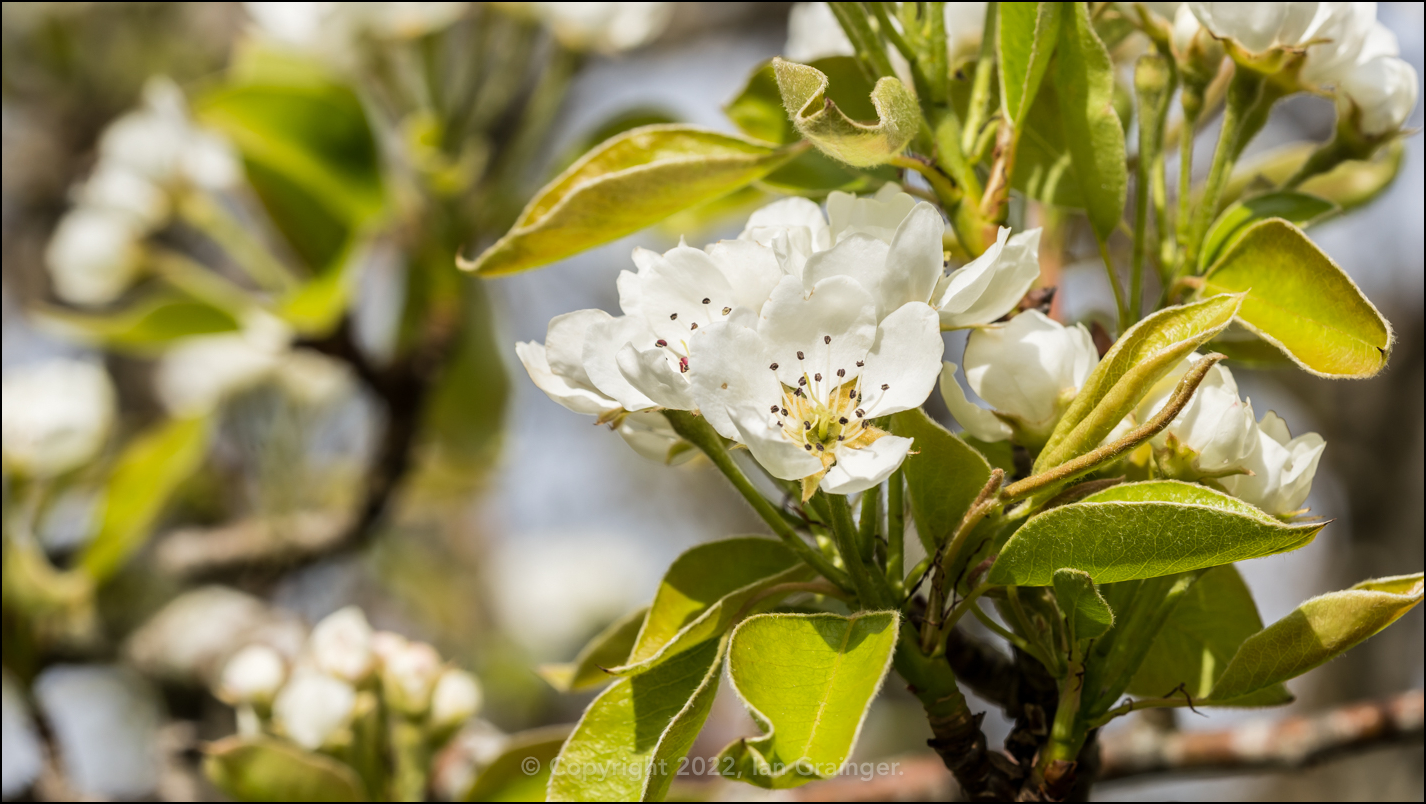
(804, 91)
(1319, 630)
(632, 181)
(627, 745)
(609, 649)
(145, 327)
(508, 777)
(1143, 530)
(1300, 208)
(265, 769)
(1349, 185)
(943, 477)
(1137, 360)
(1042, 157)
(1088, 616)
(1025, 41)
(146, 475)
(1195, 644)
(1299, 300)
(1084, 85)
(808, 680)
(705, 590)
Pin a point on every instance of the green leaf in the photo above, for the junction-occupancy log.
(632, 181)
(808, 680)
(1084, 83)
(1129, 369)
(1349, 185)
(149, 470)
(609, 649)
(943, 477)
(1088, 616)
(145, 327)
(317, 306)
(1200, 636)
(627, 745)
(1318, 631)
(1143, 530)
(461, 425)
(1299, 300)
(818, 117)
(1299, 208)
(705, 590)
(265, 769)
(508, 776)
(1042, 159)
(1026, 37)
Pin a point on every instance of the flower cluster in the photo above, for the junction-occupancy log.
(790, 340)
(346, 671)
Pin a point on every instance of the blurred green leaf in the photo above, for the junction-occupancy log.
(1129, 369)
(808, 680)
(317, 306)
(265, 769)
(1298, 299)
(508, 776)
(861, 143)
(1299, 208)
(1143, 530)
(144, 327)
(610, 648)
(1083, 76)
(627, 745)
(1350, 185)
(462, 422)
(150, 469)
(1042, 160)
(705, 590)
(1205, 629)
(1026, 36)
(943, 476)
(1318, 631)
(1085, 611)
(630, 182)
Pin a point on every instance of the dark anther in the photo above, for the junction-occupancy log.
(817, 377)
(660, 343)
(842, 420)
(774, 408)
(807, 447)
(861, 413)
(695, 325)
(799, 356)
(673, 317)
(801, 380)
(727, 310)
(773, 367)
(784, 411)
(841, 372)
(705, 301)
(820, 448)
(826, 339)
(807, 425)
(861, 363)
(884, 386)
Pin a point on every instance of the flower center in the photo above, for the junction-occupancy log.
(820, 425)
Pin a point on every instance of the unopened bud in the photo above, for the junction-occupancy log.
(341, 645)
(456, 699)
(252, 675)
(408, 676)
(312, 708)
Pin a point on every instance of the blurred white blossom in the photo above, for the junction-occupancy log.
(313, 707)
(1378, 95)
(94, 254)
(197, 373)
(341, 645)
(456, 698)
(1259, 27)
(55, 416)
(601, 27)
(814, 33)
(252, 675)
(408, 676)
(333, 30)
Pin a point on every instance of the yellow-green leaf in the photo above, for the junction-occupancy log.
(1083, 76)
(1026, 35)
(943, 477)
(522, 770)
(1084, 609)
(145, 327)
(859, 143)
(266, 769)
(629, 182)
(1300, 208)
(1298, 299)
(609, 649)
(1349, 185)
(1319, 630)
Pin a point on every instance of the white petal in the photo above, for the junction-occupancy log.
(751, 270)
(832, 328)
(564, 344)
(651, 372)
(578, 398)
(650, 435)
(861, 257)
(915, 261)
(603, 342)
(674, 290)
(879, 216)
(905, 358)
(1029, 366)
(783, 214)
(860, 469)
(976, 420)
(731, 370)
(783, 458)
(630, 289)
(980, 297)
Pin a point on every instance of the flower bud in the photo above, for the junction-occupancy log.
(992, 284)
(408, 676)
(1282, 468)
(252, 675)
(456, 699)
(56, 416)
(94, 254)
(1212, 436)
(1378, 96)
(312, 708)
(341, 645)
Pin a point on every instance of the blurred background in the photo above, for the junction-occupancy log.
(313, 408)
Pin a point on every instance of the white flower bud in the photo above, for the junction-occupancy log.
(1382, 93)
(602, 27)
(1258, 27)
(456, 699)
(1212, 436)
(1282, 468)
(992, 284)
(93, 255)
(115, 187)
(341, 645)
(408, 676)
(312, 708)
(252, 675)
(55, 416)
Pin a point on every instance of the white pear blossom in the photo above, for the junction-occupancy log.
(253, 675)
(159, 142)
(800, 384)
(1259, 27)
(814, 33)
(334, 29)
(992, 284)
(1280, 469)
(1028, 370)
(456, 698)
(1378, 95)
(601, 27)
(341, 645)
(408, 676)
(1213, 436)
(198, 373)
(94, 254)
(55, 416)
(313, 707)
(1340, 33)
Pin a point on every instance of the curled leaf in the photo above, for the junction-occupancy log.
(819, 119)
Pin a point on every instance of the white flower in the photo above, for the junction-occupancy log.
(814, 33)
(160, 143)
(603, 27)
(1259, 27)
(55, 416)
(653, 437)
(312, 708)
(1282, 468)
(196, 375)
(992, 284)
(799, 384)
(1340, 32)
(1379, 95)
(341, 645)
(333, 29)
(1028, 369)
(557, 365)
(252, 675)
(408, 675)
(115, 187)
(456, 699)
(94, 254)
(1215, 433)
